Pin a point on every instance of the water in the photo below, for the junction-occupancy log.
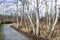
(12, 34)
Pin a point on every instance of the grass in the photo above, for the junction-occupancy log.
(1, 33)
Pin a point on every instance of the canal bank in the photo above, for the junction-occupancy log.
(26, 32)
(56, 34)
(1, 33)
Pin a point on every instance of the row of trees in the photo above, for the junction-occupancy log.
(51, 18)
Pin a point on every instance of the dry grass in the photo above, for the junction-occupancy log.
(44, 30)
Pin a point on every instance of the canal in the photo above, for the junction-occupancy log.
(12, 34)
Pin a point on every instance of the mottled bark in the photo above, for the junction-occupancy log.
(17, 13)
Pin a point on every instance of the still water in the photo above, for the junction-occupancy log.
(12, 34)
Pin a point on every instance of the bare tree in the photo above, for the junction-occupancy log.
(17, 12)
(55, 20)
(46, 13)
(37, 17)
(22, 15)
(50, 17)
(30, 18)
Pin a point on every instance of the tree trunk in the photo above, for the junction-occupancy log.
(17, 13)
(55, 20)
(37, 18)
(30, 19)
(46, 14)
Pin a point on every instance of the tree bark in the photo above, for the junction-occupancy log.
(30, 19)
(17, 13)
(37, 18)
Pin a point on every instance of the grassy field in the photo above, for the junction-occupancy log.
(1, 33)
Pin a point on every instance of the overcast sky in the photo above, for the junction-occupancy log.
(10, 6)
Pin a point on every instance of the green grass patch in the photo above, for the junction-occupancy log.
(1, 33)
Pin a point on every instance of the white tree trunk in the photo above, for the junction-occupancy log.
(37, 18)
(54, 23)
(30, 18)
(50, 17)
(17, 13)
(46, 13)
(31, 23)
(22, 15)
(56, 19)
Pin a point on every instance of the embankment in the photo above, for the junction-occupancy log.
(27, 32)
(1, 33)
